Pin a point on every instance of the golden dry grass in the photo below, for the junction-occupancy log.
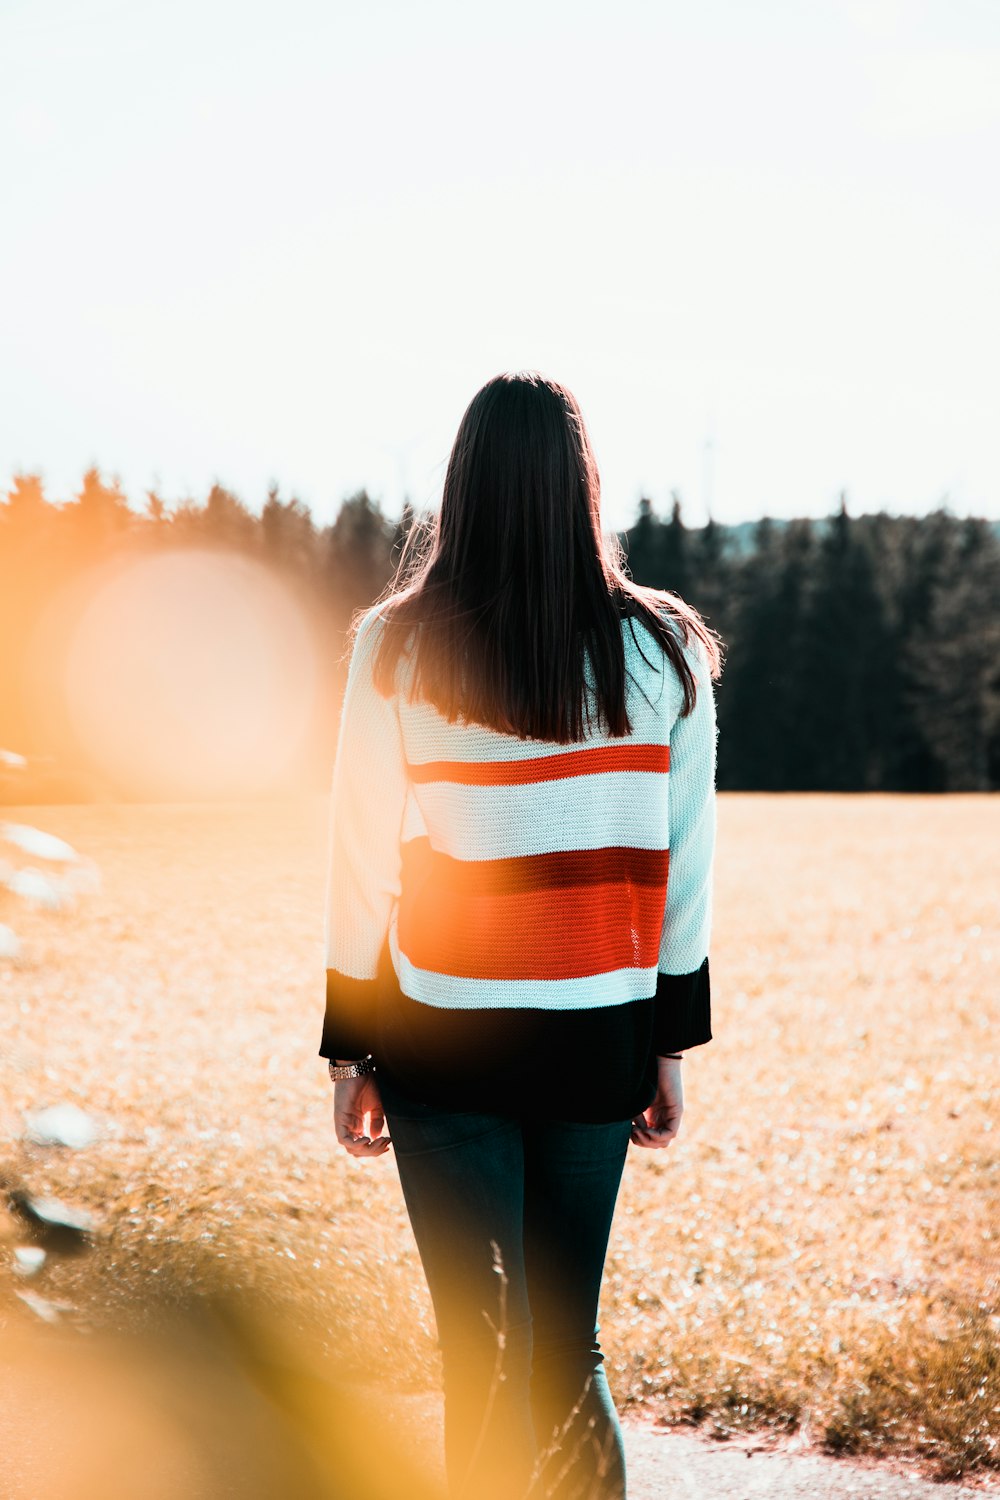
(818, 1250)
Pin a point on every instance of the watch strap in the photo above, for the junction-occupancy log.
(358, 1069)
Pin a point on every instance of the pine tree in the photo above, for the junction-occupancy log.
(758, 712)
(954, 660)
(288, 534)
(359, 553)
(643, 545)
(675, 551)
(98, 517)
(835, 685)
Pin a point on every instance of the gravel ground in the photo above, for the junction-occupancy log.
(667, 1464)
(671, 1463)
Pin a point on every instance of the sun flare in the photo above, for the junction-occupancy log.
(194, 671)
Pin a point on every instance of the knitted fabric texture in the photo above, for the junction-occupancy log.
(507, 872)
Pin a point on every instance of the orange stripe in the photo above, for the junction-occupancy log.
(559, 933)
(616, 865)
(591, 762)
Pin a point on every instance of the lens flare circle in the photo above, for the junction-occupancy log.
(192, 672)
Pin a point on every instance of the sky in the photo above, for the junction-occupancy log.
(249, 243)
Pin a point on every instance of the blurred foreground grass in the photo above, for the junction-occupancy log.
(818, 1252)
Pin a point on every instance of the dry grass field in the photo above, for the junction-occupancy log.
(817, 1253)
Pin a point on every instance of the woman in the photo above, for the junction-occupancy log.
(519, 901)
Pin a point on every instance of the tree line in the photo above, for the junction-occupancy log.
(862, 653)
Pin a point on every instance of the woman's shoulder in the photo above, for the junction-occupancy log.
(683, 623)
(646, 635)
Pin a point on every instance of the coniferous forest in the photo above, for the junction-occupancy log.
(861, 653)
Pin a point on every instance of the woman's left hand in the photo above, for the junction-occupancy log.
(659, 1124)
(354, 1099)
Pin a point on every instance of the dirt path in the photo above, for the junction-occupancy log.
(667, 1464)
(670, 1463)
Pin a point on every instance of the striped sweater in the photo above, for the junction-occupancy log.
(503, 872)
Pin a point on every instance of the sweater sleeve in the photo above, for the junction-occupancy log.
(364, 859)
(682, 1013)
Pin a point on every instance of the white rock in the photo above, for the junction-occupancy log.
(35, 885)
(51, 1312)
(62, 1125)
(37, 842)
(28, 1259)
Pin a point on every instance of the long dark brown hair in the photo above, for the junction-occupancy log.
(514, 581)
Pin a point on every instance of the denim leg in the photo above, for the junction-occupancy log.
(462, 1176)
(573, 1173)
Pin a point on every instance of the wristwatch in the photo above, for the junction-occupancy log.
(354, 1069)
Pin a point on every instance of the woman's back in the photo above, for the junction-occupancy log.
(525, 877)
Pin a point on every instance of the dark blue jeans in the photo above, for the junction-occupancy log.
(511, 1219)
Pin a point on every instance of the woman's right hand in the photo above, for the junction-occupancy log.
(659, 1124)
(354, 1101)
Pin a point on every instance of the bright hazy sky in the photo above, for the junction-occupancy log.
(246, 241)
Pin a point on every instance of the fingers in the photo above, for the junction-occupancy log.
(349, 1127)
(350, 1133)
(653, 1136)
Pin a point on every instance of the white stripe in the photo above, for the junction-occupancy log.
(428, 736)
(450, 992)
(607, 810)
